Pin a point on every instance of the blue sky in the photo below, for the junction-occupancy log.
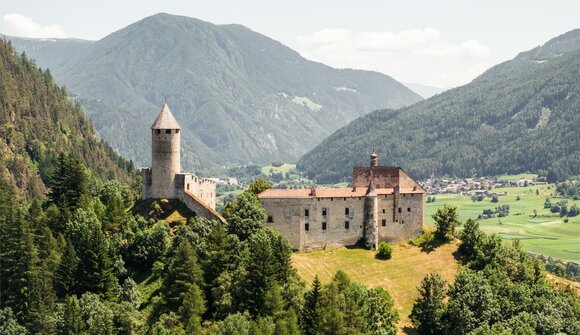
(441, 43)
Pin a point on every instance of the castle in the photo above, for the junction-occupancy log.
(384, 204)
(164, 179)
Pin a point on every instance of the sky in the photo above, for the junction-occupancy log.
(443, 43)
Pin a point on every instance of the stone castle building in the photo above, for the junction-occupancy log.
(384, 204)
(164, 179)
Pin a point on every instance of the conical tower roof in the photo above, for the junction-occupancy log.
(165, 120)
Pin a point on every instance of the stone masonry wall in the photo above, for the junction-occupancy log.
(165, 162)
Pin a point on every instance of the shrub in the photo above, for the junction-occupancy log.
(385, 251)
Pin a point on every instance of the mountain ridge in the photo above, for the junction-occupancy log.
(518, 116)
(240, 96)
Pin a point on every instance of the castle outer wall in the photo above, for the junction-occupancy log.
(385, 204)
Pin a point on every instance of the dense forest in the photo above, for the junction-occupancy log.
(521, 115)
(38, 123)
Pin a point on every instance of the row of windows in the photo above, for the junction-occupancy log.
(346, 224)
(307, 225)
(325, 212)
(346, 211)
(167, 131)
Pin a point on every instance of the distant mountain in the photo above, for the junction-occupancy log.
(38, 122)
(425, 91)
(521, 115)
(239, 96)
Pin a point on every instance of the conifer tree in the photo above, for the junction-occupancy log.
(311, 312)
(192, 309)
(429, 307)
(65, 276)
(19, 261)
(95, 271)
(72, 323)
(183, 273)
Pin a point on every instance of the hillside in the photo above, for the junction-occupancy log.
(38, 122)
(521, 115)
(239, 96)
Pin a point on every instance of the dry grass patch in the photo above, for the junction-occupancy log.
(400, 275)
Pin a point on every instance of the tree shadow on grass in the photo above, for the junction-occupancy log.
(430, 245)
(409, 331)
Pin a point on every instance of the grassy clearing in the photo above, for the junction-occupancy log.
(400, 275)
(515, 177)
(269, 169)
(545, 233)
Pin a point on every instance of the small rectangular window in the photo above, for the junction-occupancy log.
(346, 225)
(177, 131)
(346, 211)
(168, 131)
(408, 209)
(402, 221)
(306, 213)
(324, 212)
(306, 227)
(383, 210)
(400, 209)
(270, 219)
(324, 226)
(384, 223)
(158, 131)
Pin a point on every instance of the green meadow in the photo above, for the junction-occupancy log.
(545, 233)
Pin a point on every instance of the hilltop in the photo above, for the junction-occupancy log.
(521, 115)
(240, 96)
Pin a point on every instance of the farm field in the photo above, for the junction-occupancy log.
(545, 233)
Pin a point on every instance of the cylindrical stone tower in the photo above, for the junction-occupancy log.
(165, 155)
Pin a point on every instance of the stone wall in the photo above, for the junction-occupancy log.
(287, 215)
(165, 162)
(195, 204)
(404, 225)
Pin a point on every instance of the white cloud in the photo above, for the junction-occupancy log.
(20, 25)
(415, 55)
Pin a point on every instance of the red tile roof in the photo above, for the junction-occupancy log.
(330, 193)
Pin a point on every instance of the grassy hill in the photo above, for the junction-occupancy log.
(239, 96)
(521, 115)
(38, 123)
(400, 275)
(545, 233)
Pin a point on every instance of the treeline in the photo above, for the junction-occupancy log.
(38, 123)
(522, 116)
(500, 290)
(71, 264)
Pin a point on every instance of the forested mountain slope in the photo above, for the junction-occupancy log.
(38, 122)
(239, 96)
(521, 115)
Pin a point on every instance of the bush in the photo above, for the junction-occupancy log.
(385, 251)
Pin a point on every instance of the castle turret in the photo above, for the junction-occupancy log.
(374, 159)
(165, 155)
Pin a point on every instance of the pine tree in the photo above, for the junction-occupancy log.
(70, 183)
(192, 309)
(72, 323)
(429, 307)
(311, 313)
(19, 259)
(95, 270)
(65, 276)
(183, 272)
